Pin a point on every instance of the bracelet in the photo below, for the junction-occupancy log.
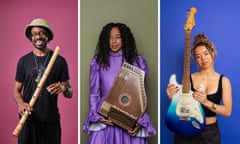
(214, 106)
(63, 88)
(68, 89)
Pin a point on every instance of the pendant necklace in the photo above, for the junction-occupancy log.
(40, 68)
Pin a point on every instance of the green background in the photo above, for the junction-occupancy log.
(142, 18)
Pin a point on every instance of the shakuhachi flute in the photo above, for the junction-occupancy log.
(36, 92)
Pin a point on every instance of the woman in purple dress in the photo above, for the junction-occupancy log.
(116, 44)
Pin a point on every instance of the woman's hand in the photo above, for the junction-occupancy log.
(105, 121)
(200, 96)
(171, 90)
(134, 131)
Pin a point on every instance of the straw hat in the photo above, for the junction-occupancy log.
(38, 22)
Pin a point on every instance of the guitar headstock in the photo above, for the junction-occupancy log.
(190, 23)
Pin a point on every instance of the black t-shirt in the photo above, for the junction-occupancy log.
(45, 109)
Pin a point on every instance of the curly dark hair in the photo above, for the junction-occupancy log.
(129, 48)
(202, 40)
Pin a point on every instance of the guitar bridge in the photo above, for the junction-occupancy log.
(184, 113)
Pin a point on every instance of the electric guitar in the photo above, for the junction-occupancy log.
(185, 114)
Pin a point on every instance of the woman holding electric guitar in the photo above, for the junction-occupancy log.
(217, 88)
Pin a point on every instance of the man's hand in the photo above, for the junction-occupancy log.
(55, 88)
(24, 107)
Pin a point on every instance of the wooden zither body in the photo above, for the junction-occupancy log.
(126, 101)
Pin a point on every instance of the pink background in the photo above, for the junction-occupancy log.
(62, 15)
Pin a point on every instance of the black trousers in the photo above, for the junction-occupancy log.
(210, 135)
(40, 133)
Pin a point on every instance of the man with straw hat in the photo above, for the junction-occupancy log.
(43, 123)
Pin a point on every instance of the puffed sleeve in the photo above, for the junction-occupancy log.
(147, 128)
(142, 64)
(94, 97)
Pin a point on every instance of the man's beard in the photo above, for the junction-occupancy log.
(43, 43)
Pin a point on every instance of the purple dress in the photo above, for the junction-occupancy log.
(100, 84)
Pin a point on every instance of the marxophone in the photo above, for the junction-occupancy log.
(126, 101)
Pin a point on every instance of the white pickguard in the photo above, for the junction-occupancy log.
(187, 106)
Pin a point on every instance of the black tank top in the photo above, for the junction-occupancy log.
(215, 98)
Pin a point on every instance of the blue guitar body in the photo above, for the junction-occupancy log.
(185, 115)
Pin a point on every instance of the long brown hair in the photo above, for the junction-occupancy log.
(202, 40)
(129, 48)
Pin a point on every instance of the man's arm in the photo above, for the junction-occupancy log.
(59, 87)
(22, 106)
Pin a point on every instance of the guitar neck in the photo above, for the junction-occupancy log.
(186, 70)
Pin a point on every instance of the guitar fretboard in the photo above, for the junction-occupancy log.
(186, 70)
